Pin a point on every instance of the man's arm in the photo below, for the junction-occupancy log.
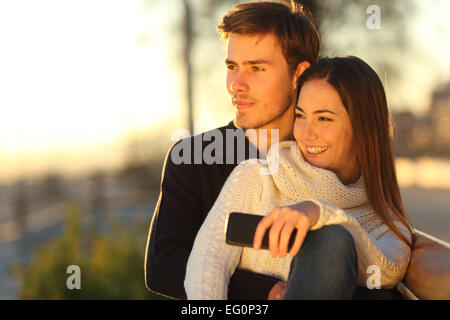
(187, 194)
(175, 223)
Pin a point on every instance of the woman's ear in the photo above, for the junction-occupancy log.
(301, 67)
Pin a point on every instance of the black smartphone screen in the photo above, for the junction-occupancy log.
(241, 227)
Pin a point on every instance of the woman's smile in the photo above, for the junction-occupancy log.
(315, 151)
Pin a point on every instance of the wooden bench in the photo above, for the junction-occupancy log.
(428, 274)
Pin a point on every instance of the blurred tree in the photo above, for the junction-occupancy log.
(20, 206)
(51, 188)
(143, 160)
(111, 264)
(99, 201)
(188, 35)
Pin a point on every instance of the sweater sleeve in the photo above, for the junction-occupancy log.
(212, 261)
(380, 247)
(169, 243)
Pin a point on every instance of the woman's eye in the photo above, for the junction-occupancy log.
(325, 119)
(299, 115)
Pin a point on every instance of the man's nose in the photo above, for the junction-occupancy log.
(239, 82)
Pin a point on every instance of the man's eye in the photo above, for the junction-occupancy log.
(257, 68)
(298, 115)
(325, 119)
(231, 67)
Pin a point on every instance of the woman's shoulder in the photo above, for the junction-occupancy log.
(251, 168)
(261, 169)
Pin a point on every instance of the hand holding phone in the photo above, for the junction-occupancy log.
(241, 227)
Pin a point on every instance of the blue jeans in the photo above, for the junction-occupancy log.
(326, 266)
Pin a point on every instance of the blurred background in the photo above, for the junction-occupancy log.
(93, 93)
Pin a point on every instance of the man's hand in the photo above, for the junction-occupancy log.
(282, 221)
(278, 290)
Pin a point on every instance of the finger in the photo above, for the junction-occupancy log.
(298, 242)
(274, 235)
(261, 229)
(302, 227)
(285, 236)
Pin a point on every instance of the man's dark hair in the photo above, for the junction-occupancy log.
(293, 28)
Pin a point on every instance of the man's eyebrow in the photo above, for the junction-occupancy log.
(249, 62)
(258, 61)
(317, 111)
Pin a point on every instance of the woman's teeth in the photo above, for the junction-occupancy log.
(315, 150)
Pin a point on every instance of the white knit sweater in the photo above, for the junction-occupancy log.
(251, 189)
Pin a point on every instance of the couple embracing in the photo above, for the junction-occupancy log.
(334, 183)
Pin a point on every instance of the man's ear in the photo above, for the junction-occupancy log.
(301, 67)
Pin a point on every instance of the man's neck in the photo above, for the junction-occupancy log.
(263, 138)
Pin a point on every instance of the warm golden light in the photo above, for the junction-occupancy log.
(77, 76)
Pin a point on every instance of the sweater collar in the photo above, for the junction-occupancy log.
(297, 179)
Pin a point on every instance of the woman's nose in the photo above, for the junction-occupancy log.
(308, 132)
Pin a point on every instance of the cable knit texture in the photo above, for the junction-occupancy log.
(257, 187)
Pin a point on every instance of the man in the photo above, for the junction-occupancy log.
(268, 46)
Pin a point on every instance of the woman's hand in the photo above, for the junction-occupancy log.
(301, 216)
(278, 290)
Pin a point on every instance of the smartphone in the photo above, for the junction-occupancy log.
(241, 227)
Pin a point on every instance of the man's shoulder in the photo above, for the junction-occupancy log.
(223, 145)
(247, 178)
(224, 130)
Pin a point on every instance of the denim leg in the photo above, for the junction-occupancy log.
(326, 266)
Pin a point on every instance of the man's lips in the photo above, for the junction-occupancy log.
(243, 104)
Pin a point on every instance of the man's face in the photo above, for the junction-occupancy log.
(259, 82)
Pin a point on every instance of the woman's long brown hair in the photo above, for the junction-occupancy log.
(363, 96)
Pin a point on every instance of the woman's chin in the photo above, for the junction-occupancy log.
(315, 163)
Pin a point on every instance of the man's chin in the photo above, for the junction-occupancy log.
(241, 123)
(244, 122)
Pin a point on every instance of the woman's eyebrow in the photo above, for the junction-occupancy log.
(317, 111)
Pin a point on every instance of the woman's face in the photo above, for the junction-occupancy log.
(324, 132)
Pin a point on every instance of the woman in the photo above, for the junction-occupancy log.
(336, 184)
